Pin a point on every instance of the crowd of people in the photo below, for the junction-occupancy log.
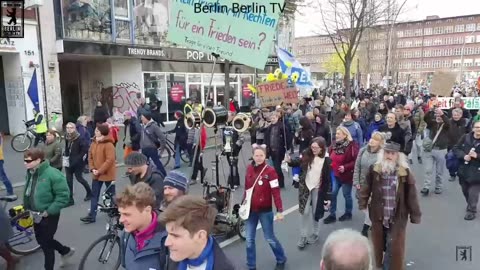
(365, 148)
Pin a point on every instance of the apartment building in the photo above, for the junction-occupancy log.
(417, 49)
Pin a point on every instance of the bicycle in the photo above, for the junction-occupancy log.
(220, 199)
(108, 241)
(22, 225)
(166, 154)
(23, 141)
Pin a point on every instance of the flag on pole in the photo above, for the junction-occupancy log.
(290, 65)
(33, 91)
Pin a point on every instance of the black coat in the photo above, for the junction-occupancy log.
(221, 260)
(397, 134)
(281, 148)
(135, 130)
(76, 149)
(100, 115)
(154, 178)
(323, 130)
(181, 133)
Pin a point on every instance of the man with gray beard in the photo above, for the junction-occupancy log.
(391, 188)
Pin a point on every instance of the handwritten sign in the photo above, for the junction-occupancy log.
(443, 82)
(470, 103)
(236, 31)
(274, 93)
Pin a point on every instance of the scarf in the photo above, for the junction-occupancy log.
(340, 147)
(147, 234)
(207, 254)
(72, 136)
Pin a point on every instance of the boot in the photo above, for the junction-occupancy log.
(365, 230)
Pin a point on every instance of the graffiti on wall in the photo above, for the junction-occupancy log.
(118, 99)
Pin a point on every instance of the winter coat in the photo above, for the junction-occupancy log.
(53, 153)
(100, 115)
(281, 147)
(347, 160)
(365, 159)
(432, 125)
(355, 130)
(84, 134)
(221, 260)
(101, 157)
(76, 149)
(323, 130)
(265, 190)
(154, 254)
(407, 132)
(467, 172)
(153, 137)
(181, 133)
(395, 134)
(457, 130)
(46, 189)
(418, 116)
(154, 178)
(324, 192)
(371, 194)
(374, 126)
(135, 131)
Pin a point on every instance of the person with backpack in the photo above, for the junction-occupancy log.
(139, 170)
(143, 243)
(151, 140)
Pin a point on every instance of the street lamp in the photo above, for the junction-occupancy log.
(463, 52)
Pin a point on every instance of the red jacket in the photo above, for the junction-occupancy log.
(347, 160)
(203, 137)
(267, 187)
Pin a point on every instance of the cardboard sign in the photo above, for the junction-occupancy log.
(443, 82)
(237, 31)
(277, 92)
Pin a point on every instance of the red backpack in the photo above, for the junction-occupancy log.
(114, 132)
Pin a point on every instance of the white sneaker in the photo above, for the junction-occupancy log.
(64, 258)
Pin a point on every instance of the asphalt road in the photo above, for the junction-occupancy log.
(430, 245)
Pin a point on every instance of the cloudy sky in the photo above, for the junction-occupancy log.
(415, 10)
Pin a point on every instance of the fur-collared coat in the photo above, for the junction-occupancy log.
(406, 206)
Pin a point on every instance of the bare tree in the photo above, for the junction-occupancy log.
(345, 21)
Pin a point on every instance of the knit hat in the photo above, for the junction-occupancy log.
(147, 115)
(176, 180)
(135, 159)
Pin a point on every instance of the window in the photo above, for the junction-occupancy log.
(478, 26)
(418, 32)
(448, 41)
(436, 64)
(408, 43)
(438, 30)
(427, 53)
(427, 42)
(175, 92)
(426, 64)
(437, 41)
(400, 33)
(122, 8)
(459, 28)
(469, 39)
(418, 43)
(418, 54)
(156, 88)
(409, 33)
(448, 29)
(457, 40)
(457, 51)
(470, 27)
(428, 31)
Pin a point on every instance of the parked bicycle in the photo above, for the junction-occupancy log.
(227, 221)
(168, 150)
(23, 141)
(23, 241)
(104, 253)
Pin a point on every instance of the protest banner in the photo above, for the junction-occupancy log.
(277, 92)
(470, 103)
(443, 82)
(239, 32)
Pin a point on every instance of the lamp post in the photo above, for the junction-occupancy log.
(463, 52)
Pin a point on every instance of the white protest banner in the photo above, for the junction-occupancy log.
(470, 103)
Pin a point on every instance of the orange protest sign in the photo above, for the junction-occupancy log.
(276, 92)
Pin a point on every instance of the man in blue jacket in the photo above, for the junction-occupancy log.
(143, 242)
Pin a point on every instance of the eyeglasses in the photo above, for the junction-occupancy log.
(28, 160)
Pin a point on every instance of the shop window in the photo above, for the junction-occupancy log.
(155, 87)
(122, 20)
(194, 78)
(195, 92)
(151, 22)
(175, 93)
(87, 20)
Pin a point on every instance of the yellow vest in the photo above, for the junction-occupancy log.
(199, 109)
(42, 127)
(185, 109)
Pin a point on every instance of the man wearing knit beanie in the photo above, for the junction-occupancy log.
(139, 170)
(175, 185)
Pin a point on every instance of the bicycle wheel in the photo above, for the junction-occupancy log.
(23, 241)
(21, 142)
(165, 156)
(185, 156)
(241, 228)
(93, 259)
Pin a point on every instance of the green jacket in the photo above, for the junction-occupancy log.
(46, 189)
(53, 153)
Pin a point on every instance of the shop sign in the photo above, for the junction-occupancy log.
(177, 93)
(276, 93)
(7, 44)
(470, 103)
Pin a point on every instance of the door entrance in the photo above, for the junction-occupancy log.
(4, 128)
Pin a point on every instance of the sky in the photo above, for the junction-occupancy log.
(309, 20)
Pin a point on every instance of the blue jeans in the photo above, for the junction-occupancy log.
(5, 180)
(347, 194)
(96, 189)
(266, 219)
(178, 153)
(152, 153)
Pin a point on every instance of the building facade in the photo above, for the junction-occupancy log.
(116, 52)
(417, 50)
(21, 76)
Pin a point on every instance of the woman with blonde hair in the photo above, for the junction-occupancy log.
(343, 154)
(366, 157)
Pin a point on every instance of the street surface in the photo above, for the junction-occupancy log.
(430, 245)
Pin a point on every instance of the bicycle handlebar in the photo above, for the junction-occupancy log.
(207, 184)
